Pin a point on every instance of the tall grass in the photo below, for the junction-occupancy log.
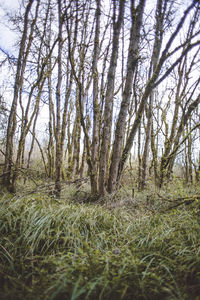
(50, 250)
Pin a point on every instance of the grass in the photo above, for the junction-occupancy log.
(51, 250)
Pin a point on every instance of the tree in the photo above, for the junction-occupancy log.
(103, 72)
(154, 81)
(108, 110)
(161, 13)
(135, 36)
(12, 121)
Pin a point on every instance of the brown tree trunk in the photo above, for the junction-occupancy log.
(160, 13)
(58, 107)
(137, 15)
(33, 140)
(139, 156)
(154, 150)
(108, 110)
(145, 155)
(96, 106)
(52, 130)
(12, 121)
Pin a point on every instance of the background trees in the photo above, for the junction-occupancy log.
(105, 74)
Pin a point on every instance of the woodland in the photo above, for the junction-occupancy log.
(100, 150)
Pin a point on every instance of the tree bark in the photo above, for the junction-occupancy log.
(108, 110)
(58, 106)
(96, 106)
(137, 15)
(12, 122)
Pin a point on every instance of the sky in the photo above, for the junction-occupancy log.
(7, 41)
(7, 37)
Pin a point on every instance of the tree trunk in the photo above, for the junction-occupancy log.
(137, 15)
(58, 107)
(145, 155)
(154, 150)
(96, 107)
(12, 121)
(108, 110)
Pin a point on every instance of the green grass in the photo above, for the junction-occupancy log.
(51, 250)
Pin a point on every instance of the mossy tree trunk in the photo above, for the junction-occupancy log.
(160, 19)
(108, 109)
(96, 104)
(12, 121)
(137, 16)
(58, 105)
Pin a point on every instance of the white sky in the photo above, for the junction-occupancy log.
(7, 37)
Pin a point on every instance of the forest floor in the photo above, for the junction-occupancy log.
(122, 248)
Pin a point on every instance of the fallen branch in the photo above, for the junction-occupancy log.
(185, 201)
(49, 187)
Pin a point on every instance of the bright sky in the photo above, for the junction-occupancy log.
(6, 35)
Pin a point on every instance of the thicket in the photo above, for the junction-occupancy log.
(52, 249)
(91, 84)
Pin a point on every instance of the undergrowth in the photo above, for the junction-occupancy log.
(60, 250)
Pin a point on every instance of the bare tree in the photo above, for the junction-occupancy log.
(135, 36)
(160, 23)
(12, 121)
(98, 101)
(154, 81)
(108, 110)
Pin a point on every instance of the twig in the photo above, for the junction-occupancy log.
(2, 152)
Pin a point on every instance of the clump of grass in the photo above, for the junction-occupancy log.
(51, 250)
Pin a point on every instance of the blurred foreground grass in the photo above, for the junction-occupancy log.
(51, 250)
